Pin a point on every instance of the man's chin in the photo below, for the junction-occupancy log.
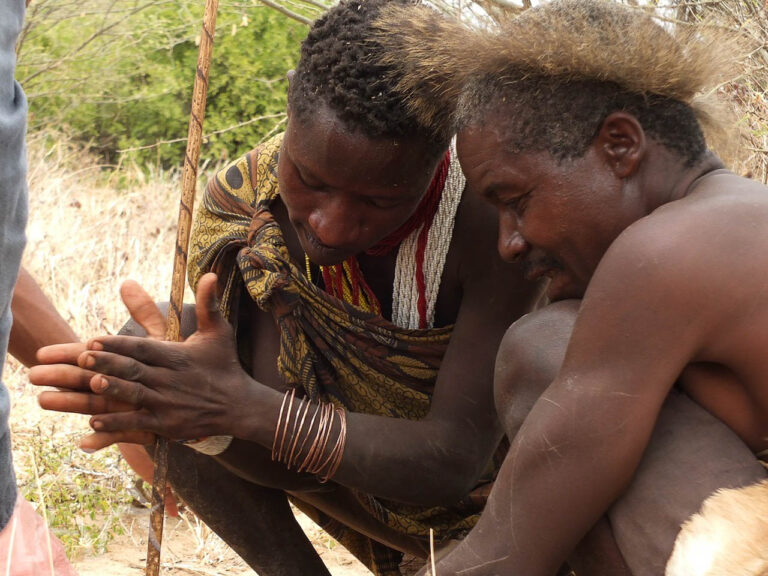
(561, 287)
(324, 257)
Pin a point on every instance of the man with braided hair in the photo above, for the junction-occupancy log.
(581, 122)
(367, 301)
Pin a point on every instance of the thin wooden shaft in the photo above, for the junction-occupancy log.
(173, 326)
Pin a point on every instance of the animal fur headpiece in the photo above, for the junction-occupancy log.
(571, 40)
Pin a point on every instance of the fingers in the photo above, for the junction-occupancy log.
(99, 440)
(123, 422)
(125, 356)
(139, 460)
(81, 403)
(207, 304)
(143, 309)
(123, 391)
(171, 506)
(61, 376)
(60, 353)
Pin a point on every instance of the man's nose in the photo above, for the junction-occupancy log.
(512, 245)
(336, 224)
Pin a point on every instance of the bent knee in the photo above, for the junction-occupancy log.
(188, 322)
(529, 358)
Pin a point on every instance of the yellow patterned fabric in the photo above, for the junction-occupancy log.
(329, 349)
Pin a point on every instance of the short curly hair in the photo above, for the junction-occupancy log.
(563, 116)
(339, 68)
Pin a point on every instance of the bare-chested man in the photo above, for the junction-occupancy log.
(579, 124)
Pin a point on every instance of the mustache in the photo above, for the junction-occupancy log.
(532, 264)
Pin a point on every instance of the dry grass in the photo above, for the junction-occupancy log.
(88, 230)
(750, 17)
(86, 233)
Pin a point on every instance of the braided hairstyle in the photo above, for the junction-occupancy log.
(339, 68)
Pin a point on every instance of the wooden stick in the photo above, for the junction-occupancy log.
(173, 325)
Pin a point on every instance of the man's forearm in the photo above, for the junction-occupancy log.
(416, 462)
(36, 322)
(569, 462)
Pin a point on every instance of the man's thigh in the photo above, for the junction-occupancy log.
(691, 455)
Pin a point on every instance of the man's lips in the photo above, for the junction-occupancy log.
(538, 274)
(326, 255)
(546, 268)
(314, 242)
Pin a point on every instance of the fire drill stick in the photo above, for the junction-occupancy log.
(173, 325)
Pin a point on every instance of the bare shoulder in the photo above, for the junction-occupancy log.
(722, 210)
(710, 243)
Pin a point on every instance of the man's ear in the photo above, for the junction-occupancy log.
(621, 141)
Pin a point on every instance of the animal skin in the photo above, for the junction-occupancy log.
(728, 537)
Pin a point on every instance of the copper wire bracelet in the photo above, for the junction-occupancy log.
(291, 437)
(287, 423)
(312, 466)
(314, 448)
(279, 421)
(306, 436)
(304, 405)
(334, 459)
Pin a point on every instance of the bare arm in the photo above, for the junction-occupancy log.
(36, 322)
(639, 325)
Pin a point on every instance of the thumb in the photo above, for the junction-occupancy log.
(143, 309)
(209, 317)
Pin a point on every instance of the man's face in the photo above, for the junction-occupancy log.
(557, 218)
(344, 191)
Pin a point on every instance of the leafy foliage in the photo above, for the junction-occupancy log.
(83, 495)
(119, 75)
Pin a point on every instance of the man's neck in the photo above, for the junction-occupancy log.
(709, 164)
(670, 179)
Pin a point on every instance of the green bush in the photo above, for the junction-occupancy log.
(119, 76)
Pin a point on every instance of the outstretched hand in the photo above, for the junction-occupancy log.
(178, 390)
(58, 368)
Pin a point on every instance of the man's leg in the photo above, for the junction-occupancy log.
(529, 358)
(256, 522)
(691, 454)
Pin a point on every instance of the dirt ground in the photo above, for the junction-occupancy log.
(190, 548)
